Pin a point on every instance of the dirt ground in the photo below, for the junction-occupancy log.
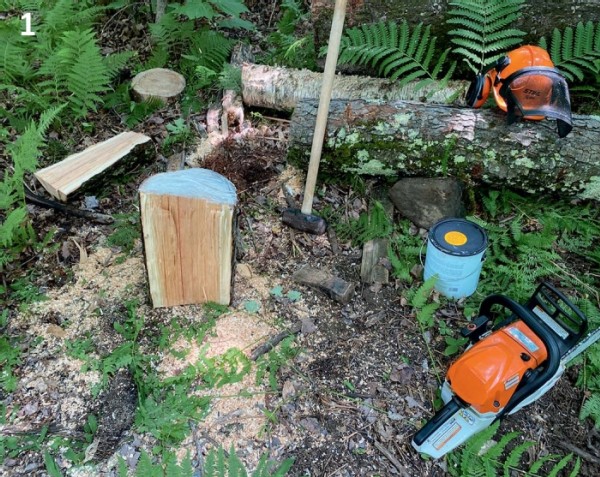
(347, 405)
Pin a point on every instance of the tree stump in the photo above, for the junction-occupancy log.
(188, 220)
(158, 83)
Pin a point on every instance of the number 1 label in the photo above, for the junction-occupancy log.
(27, 18)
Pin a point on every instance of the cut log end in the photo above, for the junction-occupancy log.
(158, 83)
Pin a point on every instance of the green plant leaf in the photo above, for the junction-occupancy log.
(252, 306)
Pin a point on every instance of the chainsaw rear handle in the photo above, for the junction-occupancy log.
(538, 378)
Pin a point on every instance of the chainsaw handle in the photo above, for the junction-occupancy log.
(553, 360)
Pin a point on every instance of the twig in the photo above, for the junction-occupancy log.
(388, 454)
(275, 340)
(65, 209)
(580, 452)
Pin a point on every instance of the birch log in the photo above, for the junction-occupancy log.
(281, 88)
(410, 139)
(187, 221)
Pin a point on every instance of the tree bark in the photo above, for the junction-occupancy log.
(282, 88)
(537, 18)
(415, 139)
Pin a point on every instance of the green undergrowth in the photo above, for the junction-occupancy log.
(168, 406)
(531, 239)
(482, 456)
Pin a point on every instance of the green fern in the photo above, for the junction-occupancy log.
(396, 52)
(76, 69)
(484, 33)
(219, 465)
(370, 225)
(591, 408)
(483, 457)
(575, 52)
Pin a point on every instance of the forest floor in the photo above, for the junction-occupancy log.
(347, 395)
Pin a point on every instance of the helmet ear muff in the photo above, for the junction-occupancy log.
(478, 91)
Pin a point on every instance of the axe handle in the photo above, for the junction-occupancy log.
(333, 48)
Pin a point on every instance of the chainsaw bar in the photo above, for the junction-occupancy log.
(580, 347)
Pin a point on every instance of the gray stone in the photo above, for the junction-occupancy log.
(424, 201)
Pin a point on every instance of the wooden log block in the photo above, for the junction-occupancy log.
(332, 286)
(371, 270)
(188, 220)
(404, 138)
(66, 176)
(281, 88)
(159, 83)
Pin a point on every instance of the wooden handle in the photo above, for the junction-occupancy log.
(333, 48)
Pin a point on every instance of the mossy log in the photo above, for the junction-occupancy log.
(415, 139)
(281, 88)
(537, 19)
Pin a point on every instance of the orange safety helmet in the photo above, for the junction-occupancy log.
(526, 85)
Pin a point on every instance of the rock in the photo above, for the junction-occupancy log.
(308, 326)
(425, 201)
(312, 426)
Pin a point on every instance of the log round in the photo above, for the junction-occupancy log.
(159, 83)
(414, 139)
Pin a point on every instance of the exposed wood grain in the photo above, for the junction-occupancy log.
(187, 220)
(68, 175)
(158, 83)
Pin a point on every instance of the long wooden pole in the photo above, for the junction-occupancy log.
(333, 48)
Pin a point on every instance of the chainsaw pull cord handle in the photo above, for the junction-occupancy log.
(553, 360)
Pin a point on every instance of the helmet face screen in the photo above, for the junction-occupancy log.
(537, 93)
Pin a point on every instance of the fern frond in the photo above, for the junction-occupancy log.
(76, 69)
(591, 409)
(575, 53)
(484, 30)
(514, 458)
(116, 62)
(393, 50)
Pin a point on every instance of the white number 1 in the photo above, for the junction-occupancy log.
(27, 18)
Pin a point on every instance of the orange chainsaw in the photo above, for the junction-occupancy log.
(506, 366)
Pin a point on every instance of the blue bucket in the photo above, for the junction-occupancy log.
(455, 252)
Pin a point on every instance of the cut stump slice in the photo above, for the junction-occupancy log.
(158, 83)
(66, 176)
(187, 221)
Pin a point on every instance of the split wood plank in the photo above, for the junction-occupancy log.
(68, 175)
(371, 270)
(334, 287)
(187, 221)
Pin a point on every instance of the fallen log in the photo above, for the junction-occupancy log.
(415, 139)
(281, 88)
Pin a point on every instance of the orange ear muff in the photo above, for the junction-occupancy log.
(478, 91)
